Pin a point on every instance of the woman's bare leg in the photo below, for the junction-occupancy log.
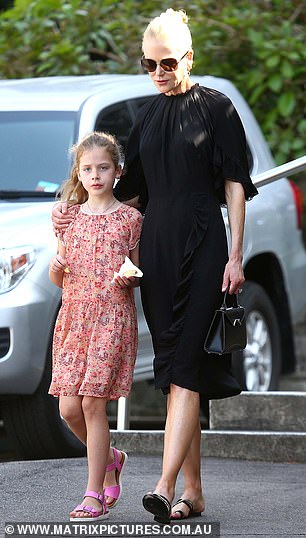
(191, 469)
(182, 419)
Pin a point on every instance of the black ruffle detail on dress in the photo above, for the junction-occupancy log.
(168, 340)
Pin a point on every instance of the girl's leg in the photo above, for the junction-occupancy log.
(182, 419)
(72, 412)
(192, 476)
(98, 440)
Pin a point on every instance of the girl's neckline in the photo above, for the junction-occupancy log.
(183, 94)
(108, 212)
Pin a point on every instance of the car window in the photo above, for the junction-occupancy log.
(116, 119)
(34, 148)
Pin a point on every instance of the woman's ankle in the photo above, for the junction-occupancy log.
(193, 482)
(166, 488)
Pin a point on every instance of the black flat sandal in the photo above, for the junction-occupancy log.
(158, 505)
(191, 512)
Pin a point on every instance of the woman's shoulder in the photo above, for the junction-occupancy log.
(219, 107)
(214, 97)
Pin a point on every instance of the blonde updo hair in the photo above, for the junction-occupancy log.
(170, 26)
(72, 190)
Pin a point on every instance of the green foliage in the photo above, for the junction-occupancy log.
(55, 37)
(258, 45)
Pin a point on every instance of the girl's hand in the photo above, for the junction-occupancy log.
(126, 281)
(58, 264)
(60, 217)
(233, 276)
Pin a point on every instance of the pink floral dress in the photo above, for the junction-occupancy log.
(95, 336)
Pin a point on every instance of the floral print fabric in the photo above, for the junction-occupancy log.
(95, 336)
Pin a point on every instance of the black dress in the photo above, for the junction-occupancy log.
(180, 151)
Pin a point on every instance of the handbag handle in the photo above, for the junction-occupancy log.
(234, 299)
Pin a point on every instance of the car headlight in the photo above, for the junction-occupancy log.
(14, 265)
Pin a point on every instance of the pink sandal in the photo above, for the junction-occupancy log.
(115, 491)
(95, 515)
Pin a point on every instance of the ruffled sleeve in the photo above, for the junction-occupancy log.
(132, 182)
(229, 154)
(135, 228)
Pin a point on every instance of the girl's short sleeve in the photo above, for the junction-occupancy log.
(135, 228)
(229, 151)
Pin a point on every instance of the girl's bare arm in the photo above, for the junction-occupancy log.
(57, 266)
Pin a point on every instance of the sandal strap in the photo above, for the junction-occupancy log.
(88, 509)
(112, 491)
(183, 516)
(164, 499)
(187, 502)
(95, 495)
(116, 463)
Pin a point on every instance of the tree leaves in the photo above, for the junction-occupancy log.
(286, 104)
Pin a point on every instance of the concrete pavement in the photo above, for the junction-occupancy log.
(250, 499)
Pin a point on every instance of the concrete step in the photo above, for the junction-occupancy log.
(260, 411)
(247, 445)
(263, 426)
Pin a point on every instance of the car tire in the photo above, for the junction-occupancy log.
(34, 426)
(258, 366)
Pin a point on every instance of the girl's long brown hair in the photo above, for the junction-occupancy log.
(72, 190)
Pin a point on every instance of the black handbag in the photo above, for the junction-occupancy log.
(227, 331)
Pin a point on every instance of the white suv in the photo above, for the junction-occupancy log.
(40, 119)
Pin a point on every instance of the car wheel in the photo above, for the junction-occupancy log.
(258, 366)
(34, 426)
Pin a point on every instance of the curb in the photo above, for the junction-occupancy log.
(273, 411)
(247, 445)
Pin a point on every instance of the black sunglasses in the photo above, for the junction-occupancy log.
(167, 64)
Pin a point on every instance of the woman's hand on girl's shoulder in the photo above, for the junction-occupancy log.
(61, 217)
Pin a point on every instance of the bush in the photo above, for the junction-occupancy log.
(258, 45)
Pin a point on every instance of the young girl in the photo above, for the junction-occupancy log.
(95, 338)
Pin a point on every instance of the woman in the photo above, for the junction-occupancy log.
(186, 155)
